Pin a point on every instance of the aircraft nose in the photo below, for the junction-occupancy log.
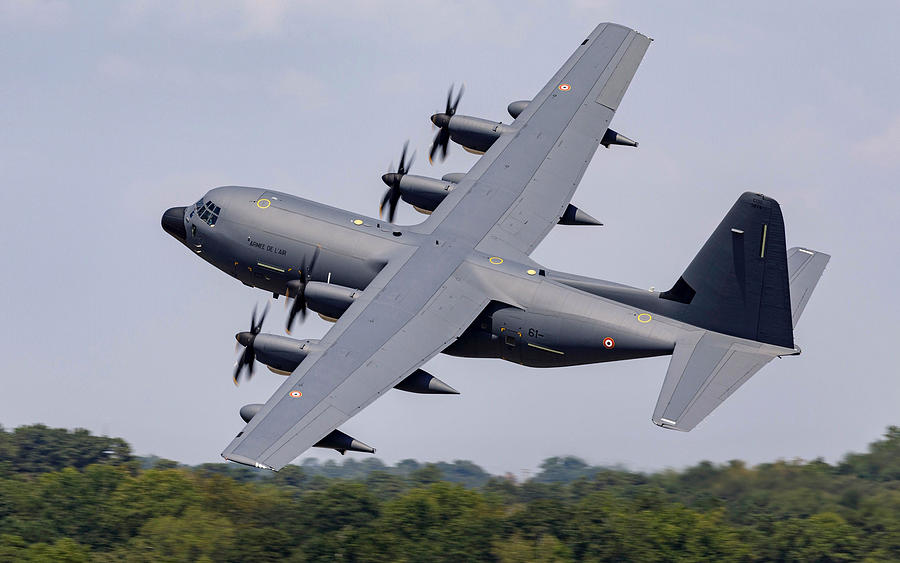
(173, 223)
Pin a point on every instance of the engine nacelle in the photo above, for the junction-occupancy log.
(420, 381)
(515, 108)
(280, 353)
(249, 411)
(425, 194)
(343, 443)
(476, 135)
(328, 299)
(613, 138)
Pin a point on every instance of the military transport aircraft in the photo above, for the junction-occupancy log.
(462, 282)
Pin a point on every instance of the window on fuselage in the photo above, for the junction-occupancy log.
(210, 213)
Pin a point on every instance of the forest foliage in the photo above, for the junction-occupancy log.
(71, 496)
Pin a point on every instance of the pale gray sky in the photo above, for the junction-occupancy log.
(113, 111)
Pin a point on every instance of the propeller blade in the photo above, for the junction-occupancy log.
(251, 362)
(462, 88)
(392, 196)
(296, 306)
(262, 318)
(384, 200)
(299, 304)
(441, 140)
(434, 147)
(312, 262)
(395, 198)
(401, 169)
(247, 339)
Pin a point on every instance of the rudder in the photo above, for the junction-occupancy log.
(738, 283)
(805, 267)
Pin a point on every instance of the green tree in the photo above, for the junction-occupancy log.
(444, 522)
(37, 449)
(824, 537)
(545, 548)
(195, 535)
(151, 494)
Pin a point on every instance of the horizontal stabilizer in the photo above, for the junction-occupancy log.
(805, 267)
(705, 369)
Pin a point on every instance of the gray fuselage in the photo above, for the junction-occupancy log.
(263, 238)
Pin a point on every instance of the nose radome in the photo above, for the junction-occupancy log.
(173, 223)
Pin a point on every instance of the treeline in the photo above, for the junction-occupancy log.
(71, 496)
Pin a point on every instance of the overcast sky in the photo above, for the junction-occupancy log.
(113, 111)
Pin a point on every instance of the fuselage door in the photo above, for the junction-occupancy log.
(507, 325)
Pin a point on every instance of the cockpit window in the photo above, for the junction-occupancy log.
(206, 211)
(210, 213)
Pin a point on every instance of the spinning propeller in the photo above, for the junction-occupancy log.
(442, 121)
(297, 290)
(246, 339)
(392, 179)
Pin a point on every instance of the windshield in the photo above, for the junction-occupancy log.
(208, 212)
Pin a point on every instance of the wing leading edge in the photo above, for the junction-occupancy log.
(407, 315)
(519, 189)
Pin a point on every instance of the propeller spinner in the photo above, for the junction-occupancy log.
(442, 121)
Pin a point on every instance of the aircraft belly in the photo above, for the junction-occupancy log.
(551, 339)
(576, 340)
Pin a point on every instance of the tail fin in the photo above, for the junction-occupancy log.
(805, 267)
(738, 282)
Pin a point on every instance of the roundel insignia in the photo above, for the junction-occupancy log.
(495, 260)
(609, 343)
(295, 394)
(263, 203)
(565, 87)
(644, 318)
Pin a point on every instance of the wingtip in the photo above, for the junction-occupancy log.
(234, 458)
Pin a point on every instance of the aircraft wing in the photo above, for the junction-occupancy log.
(420, 303)
(519, 189)
(426, 297)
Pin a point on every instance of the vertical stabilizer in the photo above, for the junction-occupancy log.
(738, 282)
